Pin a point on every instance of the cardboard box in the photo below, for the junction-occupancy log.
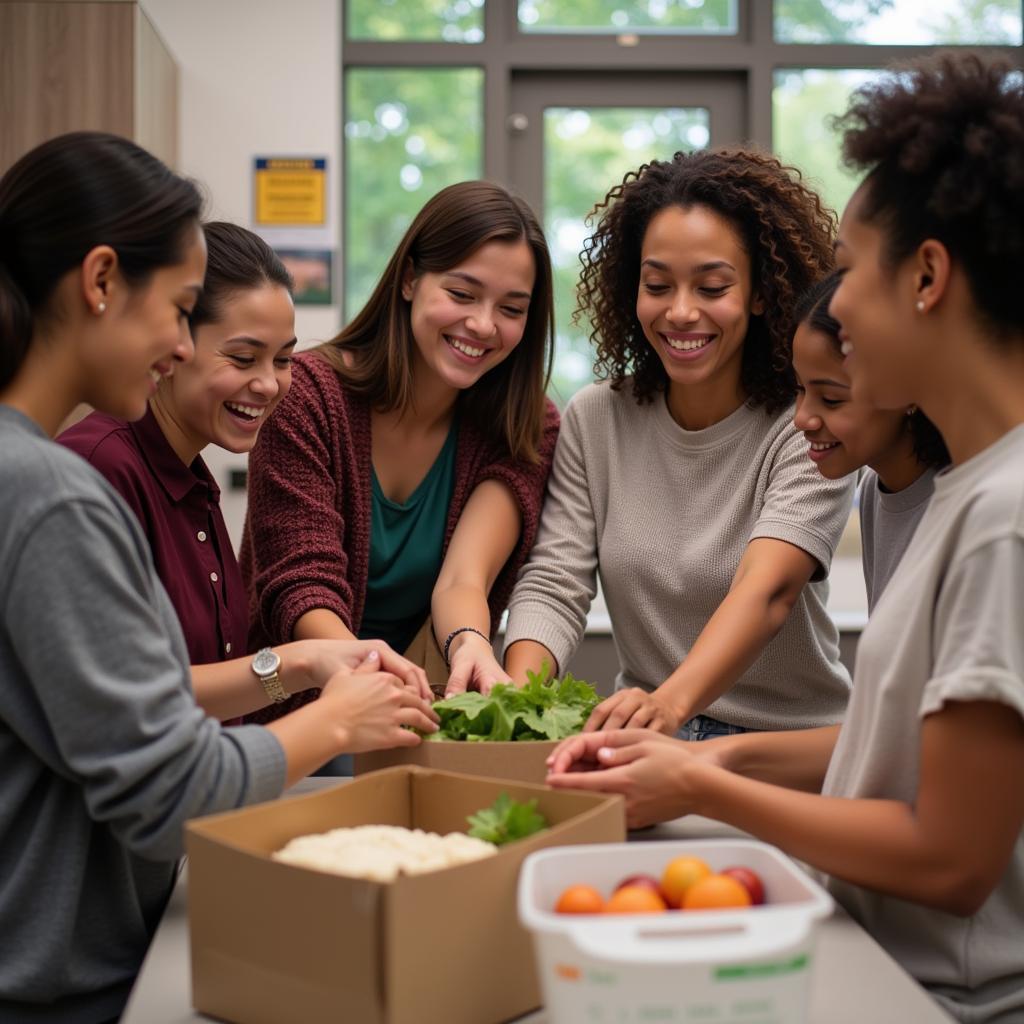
(523, 761)
(273, 943)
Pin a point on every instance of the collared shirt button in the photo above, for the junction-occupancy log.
(227, 647)
(214, 577)
(201, 535)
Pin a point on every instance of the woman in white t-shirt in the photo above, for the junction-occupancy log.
(915, 807)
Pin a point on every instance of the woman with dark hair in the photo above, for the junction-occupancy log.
(103, 751)
(243, 329)
(899, 450)
(680, 478)
(914, 808)
(396, 490)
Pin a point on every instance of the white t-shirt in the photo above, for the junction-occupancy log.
(949, 627)
(664, 515)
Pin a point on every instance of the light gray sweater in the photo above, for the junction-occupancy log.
(664, 515)
(103, 752)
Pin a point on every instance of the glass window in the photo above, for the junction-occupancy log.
(409, 132)
(691, 17)
(899, 22)
(586, 152)
(448, 21)
(803, 102)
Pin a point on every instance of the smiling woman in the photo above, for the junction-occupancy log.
(396, 491)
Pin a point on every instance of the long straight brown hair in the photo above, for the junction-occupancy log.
(507, 403)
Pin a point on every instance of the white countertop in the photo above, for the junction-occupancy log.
(854, 980)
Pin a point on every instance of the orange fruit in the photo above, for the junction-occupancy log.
(716, 892)
(635, 899)
(679, 875)
(580, 899)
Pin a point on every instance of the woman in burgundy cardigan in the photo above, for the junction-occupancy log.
(396, 490)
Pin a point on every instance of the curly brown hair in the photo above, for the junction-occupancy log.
(943, 139)
(786, 231)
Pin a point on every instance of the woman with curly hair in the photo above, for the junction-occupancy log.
(680, 478)
(915, 807)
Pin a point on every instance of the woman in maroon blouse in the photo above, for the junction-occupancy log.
(244, 331)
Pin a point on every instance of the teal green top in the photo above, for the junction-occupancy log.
(406, 545)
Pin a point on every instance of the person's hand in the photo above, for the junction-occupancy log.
(324, 658)
(371, 708)
(634, 708)
(657, 775)
(473, 667)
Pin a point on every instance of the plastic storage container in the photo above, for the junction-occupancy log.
(731, 966)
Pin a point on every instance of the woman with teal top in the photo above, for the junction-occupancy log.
(396, 490)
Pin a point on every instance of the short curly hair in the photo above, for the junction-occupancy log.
(786, 231)
(943, 140)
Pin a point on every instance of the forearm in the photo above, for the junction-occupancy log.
(459, 605)
(529, 656)
(229, 689)
(310, 738)
(321, 624)
(796, 760)
(729, 644)
(876, 844)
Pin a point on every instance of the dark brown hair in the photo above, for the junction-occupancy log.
(943, 140)
(236, 261)
(64, 198)
(781, 223)
(812, 309)
(507, 403)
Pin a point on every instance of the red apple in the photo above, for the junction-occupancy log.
(644, 881)
(750, 881)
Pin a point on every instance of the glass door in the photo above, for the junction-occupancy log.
(574, 136)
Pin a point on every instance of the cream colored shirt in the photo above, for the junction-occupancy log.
(664, 515)
(949, 627)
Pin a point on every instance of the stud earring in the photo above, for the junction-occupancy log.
(911, 409)
(101, 308)
(920, 305)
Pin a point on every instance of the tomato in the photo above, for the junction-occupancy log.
(679, 874)
(580, 899)
(634, 899)
(716, 892)
(750, 880)
(648, 881)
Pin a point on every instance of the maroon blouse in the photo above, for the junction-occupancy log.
(179, 508)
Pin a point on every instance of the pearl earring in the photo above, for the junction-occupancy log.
(101, 308)
(920, 305)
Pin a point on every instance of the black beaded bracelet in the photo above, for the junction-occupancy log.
(453, 634)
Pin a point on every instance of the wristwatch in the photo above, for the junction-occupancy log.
(266, 665)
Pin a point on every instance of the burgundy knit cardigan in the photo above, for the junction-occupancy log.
(307, 531)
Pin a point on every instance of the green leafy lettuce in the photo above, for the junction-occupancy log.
(542, 710)
(506, 820)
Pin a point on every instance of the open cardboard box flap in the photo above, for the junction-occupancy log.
(524, 760)
(273, 943)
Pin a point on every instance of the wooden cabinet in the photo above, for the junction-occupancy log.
(98, 64)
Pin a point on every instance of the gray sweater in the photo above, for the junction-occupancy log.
(103, 752)
(664, 515)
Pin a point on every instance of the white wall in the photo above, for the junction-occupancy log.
(256, 78)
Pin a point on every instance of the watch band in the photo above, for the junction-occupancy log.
(266, 665)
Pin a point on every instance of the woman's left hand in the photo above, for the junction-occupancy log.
(324, 658)
(473, 666)
(634, 708)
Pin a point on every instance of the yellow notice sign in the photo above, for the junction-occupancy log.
(291, 191)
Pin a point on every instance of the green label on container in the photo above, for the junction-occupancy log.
(742, 972)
